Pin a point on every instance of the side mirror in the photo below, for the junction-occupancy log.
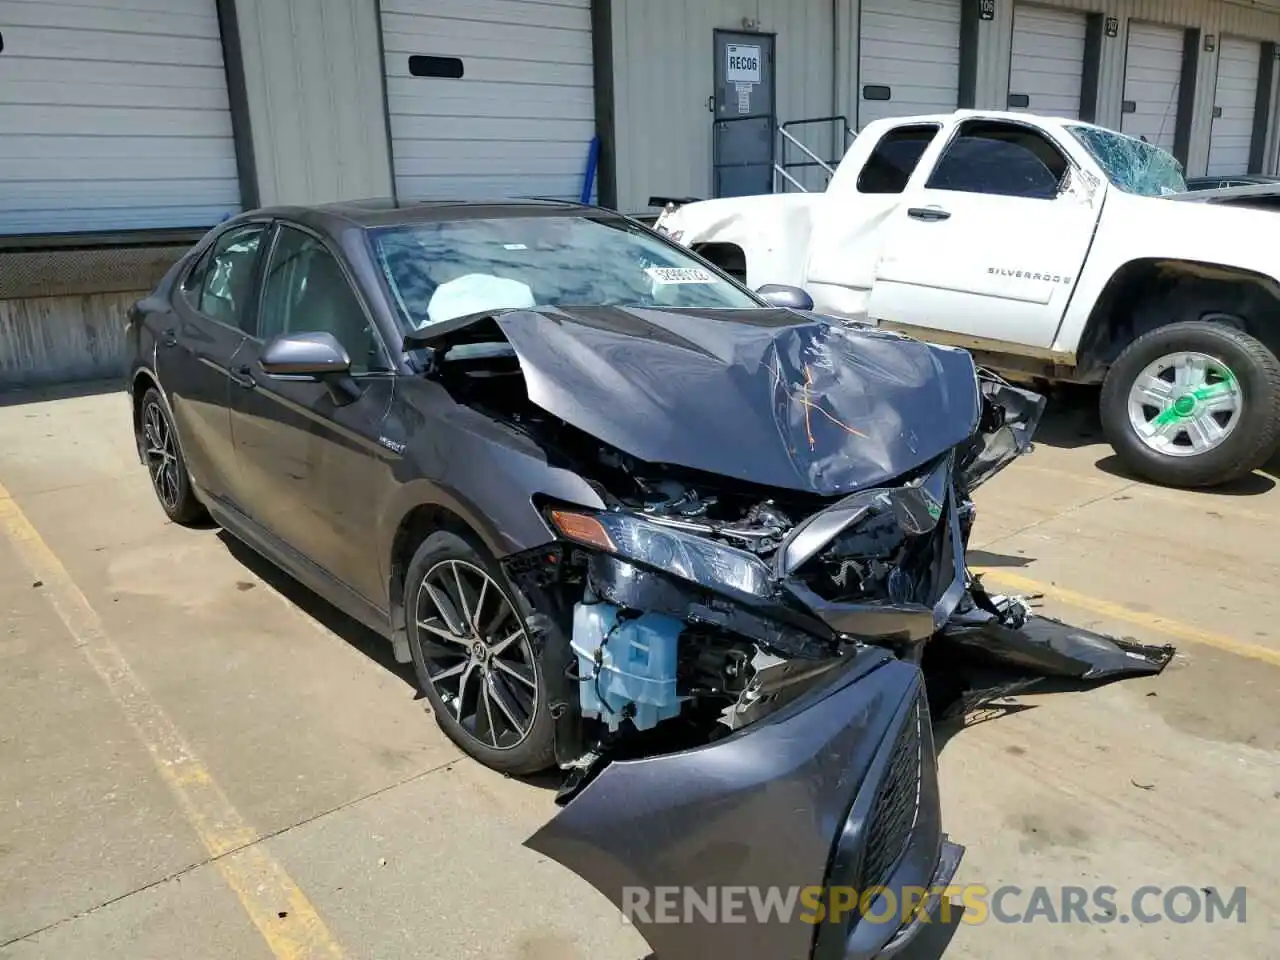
(309, 355)
(790, 298)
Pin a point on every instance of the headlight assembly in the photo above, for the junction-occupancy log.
(705, 562)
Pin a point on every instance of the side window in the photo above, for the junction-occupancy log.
(225, 277)
(304, 290)
(1004, 159)
(194, 280)
(894, 159)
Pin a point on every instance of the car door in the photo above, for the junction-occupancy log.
(990, 244)
(309, 451)
(201, 337)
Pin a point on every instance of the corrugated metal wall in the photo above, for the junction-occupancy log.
(313, 73)
(519, 121)
(1217, 18)
(663, 75)
(1272, 152)
(113, 117)
(663, 72)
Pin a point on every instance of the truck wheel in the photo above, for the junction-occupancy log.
(1193, 404)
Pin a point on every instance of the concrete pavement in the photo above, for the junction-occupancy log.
(341, 788)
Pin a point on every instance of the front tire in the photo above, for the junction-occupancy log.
(475, 658)
(1193, 404)
(158, 441)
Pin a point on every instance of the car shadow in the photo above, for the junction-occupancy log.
(1259, 482)
(946, 729)
(1071, 421)
(373, 646)
(360, 637)
(985, 558)
(948, 725)
(1070, 418)
(1271, 469)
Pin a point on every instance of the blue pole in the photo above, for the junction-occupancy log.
(589, 179)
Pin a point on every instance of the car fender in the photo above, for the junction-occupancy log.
(503, 523)
(416, 494)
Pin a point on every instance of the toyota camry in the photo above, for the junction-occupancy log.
(693, 545)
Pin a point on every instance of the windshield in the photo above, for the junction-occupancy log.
(1133, 165)
(441, 270)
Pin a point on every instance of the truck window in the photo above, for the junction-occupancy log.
(1005, 159)
(894, 159)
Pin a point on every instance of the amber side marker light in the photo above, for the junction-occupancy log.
(583, 529)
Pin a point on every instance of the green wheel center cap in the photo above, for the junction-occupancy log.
(1185, 405)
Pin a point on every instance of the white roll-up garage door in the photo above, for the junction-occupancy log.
(1047, 63)
(502, 103)
(1152, 76)
(908, 58)
(1234, 100)
(113, 116)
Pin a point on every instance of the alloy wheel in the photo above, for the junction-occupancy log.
(162, 455)
(1185, 404)
(477, 653)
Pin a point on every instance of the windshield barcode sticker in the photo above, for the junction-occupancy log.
(680, 275)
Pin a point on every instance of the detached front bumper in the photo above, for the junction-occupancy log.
(791, 819)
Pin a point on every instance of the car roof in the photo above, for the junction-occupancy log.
(1048, 121)
(387, 211)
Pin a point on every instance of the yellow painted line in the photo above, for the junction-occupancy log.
(277, 906)
(1115, 611)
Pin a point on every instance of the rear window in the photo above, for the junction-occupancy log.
(894, 159)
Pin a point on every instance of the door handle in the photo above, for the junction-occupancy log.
(169, 338)
(242, 376)
(927, 213)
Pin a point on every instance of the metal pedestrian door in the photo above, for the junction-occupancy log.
(745, 119)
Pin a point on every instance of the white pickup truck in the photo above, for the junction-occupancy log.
(1054, 251)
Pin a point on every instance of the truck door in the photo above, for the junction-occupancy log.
(852, 224)
(988, 244)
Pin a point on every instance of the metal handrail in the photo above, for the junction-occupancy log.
(844, 124)
(787, 135)
(789, 178)
(781, 166)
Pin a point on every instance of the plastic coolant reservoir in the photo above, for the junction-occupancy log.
(636, 672)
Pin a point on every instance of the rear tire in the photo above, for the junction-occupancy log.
(475, 660)
(1193, 404)
(158, 442)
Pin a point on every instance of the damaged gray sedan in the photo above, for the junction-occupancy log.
(700, 550)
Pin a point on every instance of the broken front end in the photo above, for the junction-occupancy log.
(757, 607)
(743, 703)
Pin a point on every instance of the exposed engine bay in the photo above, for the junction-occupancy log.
(695, 603)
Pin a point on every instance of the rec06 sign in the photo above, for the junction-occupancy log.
(742, 63)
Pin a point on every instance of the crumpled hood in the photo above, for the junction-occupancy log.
(772, 397)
